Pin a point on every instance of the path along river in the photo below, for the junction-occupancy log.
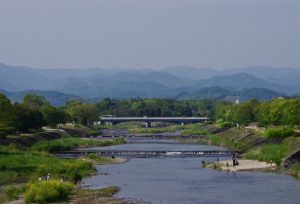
(184, 181)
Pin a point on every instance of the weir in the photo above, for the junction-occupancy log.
(135, 153)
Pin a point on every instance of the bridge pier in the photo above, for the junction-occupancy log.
(183, 123)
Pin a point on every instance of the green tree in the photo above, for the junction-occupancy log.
(27, 118)
(83, 113)
(35, 101)
(6, 116)
(53, 116)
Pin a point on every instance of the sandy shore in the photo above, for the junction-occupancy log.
(119, 160)
(244, 165)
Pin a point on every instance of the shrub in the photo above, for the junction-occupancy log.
(225, 124)
(280, 132)
(48, 191)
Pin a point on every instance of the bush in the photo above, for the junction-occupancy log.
(281, 132)
(225, 124)
(48, 191)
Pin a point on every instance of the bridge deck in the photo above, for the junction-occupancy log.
(153, 119)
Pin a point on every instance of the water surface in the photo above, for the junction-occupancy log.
(183, 180)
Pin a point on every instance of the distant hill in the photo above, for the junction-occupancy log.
(171, 82)
(238, 82)
(225, 94)
(54, 98)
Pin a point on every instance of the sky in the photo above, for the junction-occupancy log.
(150, 33)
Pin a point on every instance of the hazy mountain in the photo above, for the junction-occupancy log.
(21, 78)
(238, 82)
(230, 95)
(206, 93)
(191, 72)
(178, 82)
(55, 98)
(287, 77)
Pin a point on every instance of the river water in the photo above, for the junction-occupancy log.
(184, 181)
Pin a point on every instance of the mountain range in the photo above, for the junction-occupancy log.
(180, 82)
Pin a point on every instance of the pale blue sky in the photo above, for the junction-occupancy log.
(150, 33)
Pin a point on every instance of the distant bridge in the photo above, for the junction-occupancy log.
(145, 153)
(148, 120)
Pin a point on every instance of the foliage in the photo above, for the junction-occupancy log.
(48, 191)
(156, 107)
(225, 124)
(267, 152)
(53, 116)
(279, 112)
(34, 101)
(65, 144)
(6, 117)
(82, 113)
(27, 118)
(279, 132)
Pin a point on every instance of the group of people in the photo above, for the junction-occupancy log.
(47, 178)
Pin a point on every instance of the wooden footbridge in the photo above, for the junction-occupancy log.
(145, 153)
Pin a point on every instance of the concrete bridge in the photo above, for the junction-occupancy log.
(137, 153)
(148, 120)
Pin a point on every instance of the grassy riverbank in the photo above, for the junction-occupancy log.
(65, 144)
(25, 159)
(255, 145)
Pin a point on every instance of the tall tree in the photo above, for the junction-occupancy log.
(35, 101)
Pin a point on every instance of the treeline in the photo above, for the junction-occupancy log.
(35, 111)
(157, 107)
(276, 112)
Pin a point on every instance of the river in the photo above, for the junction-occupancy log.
(184, 181)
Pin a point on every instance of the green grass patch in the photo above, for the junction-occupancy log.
(172, 128)
(267, 152)
(193, 129)
(12, 193)
(23, 166)
(66, 144)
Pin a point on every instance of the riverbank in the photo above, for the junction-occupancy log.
(253, 146)
(27, 159)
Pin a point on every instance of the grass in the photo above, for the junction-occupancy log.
(295, 170)
(267, 152)
(12, 193)
(24, 166)
(193, 129)
(104, 196)
(172, 128)
(65, 144)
